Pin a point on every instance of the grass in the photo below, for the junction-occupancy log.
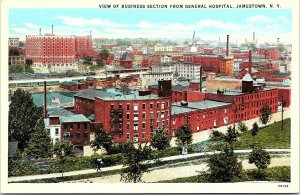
(267, 137)
(282, 174)
(96, 67)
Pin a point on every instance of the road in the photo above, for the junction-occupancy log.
(178, 172)
(171, 158)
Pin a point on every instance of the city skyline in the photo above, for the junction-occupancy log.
(155, 23)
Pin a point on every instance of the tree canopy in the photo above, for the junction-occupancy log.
(184, 135)
(224, 167)
(265, 115)
(260, 158)
(102, 139)
(160, 139)
(22, 116)
(40, 143)
(254, 129)
(133, 166)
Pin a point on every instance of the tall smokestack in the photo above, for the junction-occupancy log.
(253, 36)
(91, 32)
(40, 31)
(227, 46)
(52, 29)
(200, 78)
(45, 100)
(250, 62)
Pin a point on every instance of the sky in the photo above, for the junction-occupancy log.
(209, 24)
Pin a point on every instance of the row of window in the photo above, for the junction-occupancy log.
(159, 105)
(136, 125)
(71, 126)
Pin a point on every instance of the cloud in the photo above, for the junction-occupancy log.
(259, 18)
(282, 18)
(30, 25)
(81, 22)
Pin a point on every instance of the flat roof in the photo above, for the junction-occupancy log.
(114, 94)
(53, 98)
(177, 108)
(227, 92)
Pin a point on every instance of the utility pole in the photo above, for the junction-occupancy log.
(281, 112)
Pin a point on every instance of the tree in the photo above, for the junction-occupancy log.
(16, 69)
(87, 60)
(21, 44)
(104, 54)
(102, 139)
(184, 135)
(160, 139)
(132, 163)
(40, 143)
(254, 129)
(260, 158)
(265, 115)
(28, 62)
(217, 135)
(223, 167)
(13, 51)
(22, 116)
(63, 150)
(242, 127)
(29, 69)
(231, 135)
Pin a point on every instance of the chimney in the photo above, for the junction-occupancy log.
(227, 46)
(52, 28)
(45, 100)
(200, 78)
(253, 36)
(250, 62)
(40, 31)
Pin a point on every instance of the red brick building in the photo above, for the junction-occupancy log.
(50, 49)
(73, 86)
(210, 63)
(126, 61)
(268, 53)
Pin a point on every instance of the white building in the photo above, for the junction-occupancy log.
(13, 42)
(165, 59)
(161, 47)
(153, 78)
(188, 70)
(60, 67)
(162, 68)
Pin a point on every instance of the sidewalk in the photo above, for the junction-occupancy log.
(171, 158)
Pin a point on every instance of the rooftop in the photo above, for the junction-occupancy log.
(59, 112)
(73, 119)
(178, 108)
(55, 99)
(70, 83)
(114, 94)
(126, 57)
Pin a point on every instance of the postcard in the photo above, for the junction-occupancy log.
(149, 96)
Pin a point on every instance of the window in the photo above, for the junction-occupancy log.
(65, 126)
(143, 136)
(66, 136)
(128, 106)
(85, 126)
(56, 131)
(144, 115)
(120, 126)
(162, 105)
(144, 125)
(173, 132)
(162, 115)
(71, 126)
(135, 126)
(151, 114)
(128, 126)
(135, 107)
(157, 114)
(128, 116)
(151, 105)
(111, 106)
(135, 137)
(174, 121)
(144, 106)
(135, 116)
(127, 136)
(157, 105)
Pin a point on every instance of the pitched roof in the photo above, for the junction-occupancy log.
(73, 118)
(70, 83)
(126, 57)
(59, 112)
(247, 77)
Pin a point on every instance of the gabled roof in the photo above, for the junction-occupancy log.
(59, 112)
(126, 57)
(73, 119)
(247, 77)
